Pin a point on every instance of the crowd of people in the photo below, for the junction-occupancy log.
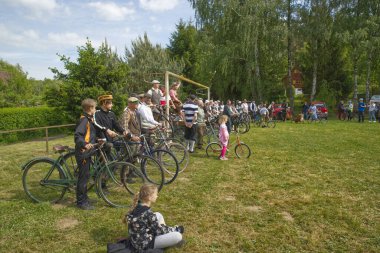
(347, 110)
(148, 230)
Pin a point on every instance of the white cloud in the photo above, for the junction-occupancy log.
(111, 11)
(21, 39)
(67, 38)
(158, 5)
(37, 8)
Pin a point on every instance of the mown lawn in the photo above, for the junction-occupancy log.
(307, 188)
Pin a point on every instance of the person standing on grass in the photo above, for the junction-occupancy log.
(313, 112)
(201, 124)
(228, 112)
(350, 109)
(223, 136)
(372, 112)
(85, 137)
(305, 109)
(146, 229)
(341, 110)
(190, 110)
(361, 109)
(106, 120)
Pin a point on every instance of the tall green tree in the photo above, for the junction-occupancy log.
(183, 46)
(147, 62)
(15, 88)
(95, 72)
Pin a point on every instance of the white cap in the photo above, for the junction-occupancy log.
(155, 81)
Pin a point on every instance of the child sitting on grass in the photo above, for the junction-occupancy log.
(147, 230)
(223, 136)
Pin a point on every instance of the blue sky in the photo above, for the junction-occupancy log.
(32, 32)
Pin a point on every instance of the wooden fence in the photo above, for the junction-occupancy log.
(39, 128)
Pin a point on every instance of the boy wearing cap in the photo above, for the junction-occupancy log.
(106, 120)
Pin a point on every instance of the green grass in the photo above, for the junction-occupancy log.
(306, 188)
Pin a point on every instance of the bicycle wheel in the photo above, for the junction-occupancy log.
(242, 150)
(168, 163)
(178, 150)
(168, 125)
(271, 124)
(43, 181)
(152, 170)
(133, 179)
(213, 149)
(110, 184)
(70, 163)
(242, 127)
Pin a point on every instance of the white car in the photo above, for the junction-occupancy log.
(375, 98)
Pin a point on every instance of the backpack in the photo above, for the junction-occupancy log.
(125, 246)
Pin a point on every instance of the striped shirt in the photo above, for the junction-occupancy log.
(190, 109)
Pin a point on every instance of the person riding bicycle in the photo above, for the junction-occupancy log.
(84, 137)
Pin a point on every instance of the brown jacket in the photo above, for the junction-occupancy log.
(131, 123)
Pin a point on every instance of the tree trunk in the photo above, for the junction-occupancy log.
(368, 81)
(257, 70)
(290, 87)
(314, 84)
(355, 80)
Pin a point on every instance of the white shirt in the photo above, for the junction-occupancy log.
(244, 107)
(264, 111)
(146, 116)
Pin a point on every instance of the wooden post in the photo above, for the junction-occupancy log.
(47, 140)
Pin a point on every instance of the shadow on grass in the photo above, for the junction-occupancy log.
(106, 235)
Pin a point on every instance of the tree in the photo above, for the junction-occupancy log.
(15, 88)
(183, 46)
(147, 61)
(94, 73)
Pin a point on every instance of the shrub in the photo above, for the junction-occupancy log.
(21, 118)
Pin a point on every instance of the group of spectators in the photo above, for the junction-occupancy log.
(348, 110)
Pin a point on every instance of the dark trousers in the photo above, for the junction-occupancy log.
(361, 116)
(83, 177)
(349, 115)
(190, 132)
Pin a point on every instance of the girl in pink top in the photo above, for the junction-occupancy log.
(223, 136)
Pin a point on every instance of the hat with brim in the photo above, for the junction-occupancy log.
(133, 100)
(141, 95)
(104, 97)
(155, 81)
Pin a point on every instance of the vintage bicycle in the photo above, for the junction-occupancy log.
(47, 180)
(241, 149)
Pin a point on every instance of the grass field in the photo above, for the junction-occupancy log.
(306, 188)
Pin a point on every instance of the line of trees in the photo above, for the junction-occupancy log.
(240, 48)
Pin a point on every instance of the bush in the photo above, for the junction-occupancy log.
(20, 118)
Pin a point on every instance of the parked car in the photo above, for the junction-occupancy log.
(322, 110)
(375, 98)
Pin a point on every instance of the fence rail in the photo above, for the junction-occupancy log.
(38, 128)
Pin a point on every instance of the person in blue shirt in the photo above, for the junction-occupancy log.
(361, 109)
